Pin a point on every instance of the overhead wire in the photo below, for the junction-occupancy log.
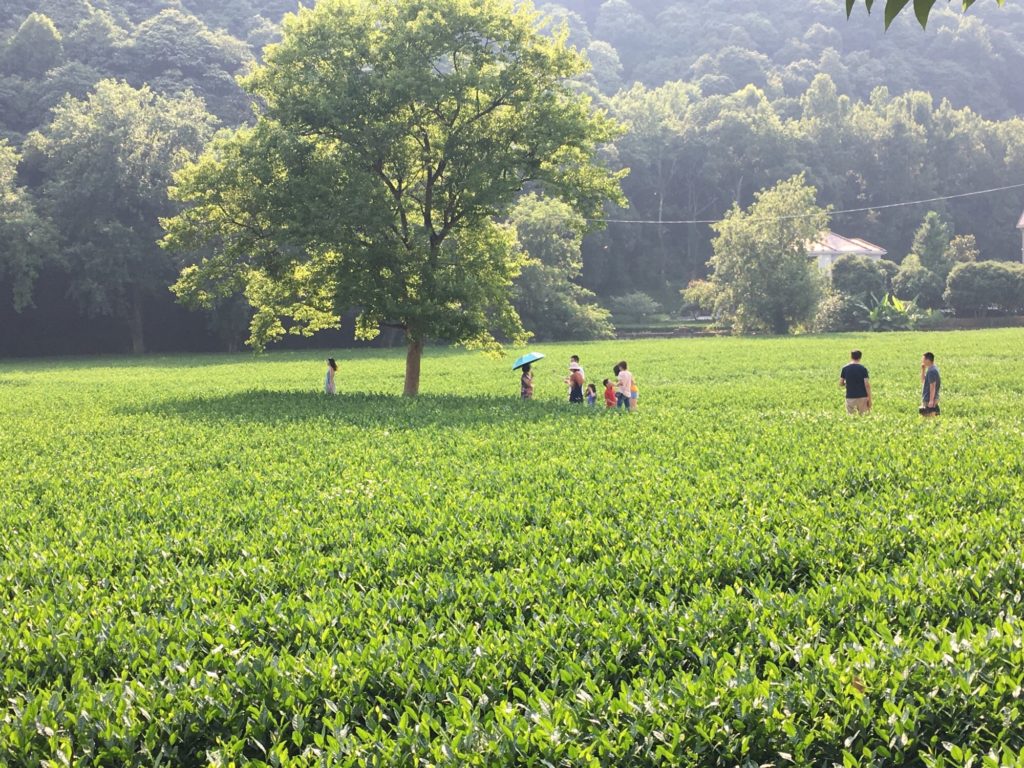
(865, 209)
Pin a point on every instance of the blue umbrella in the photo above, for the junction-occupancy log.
(529, 357)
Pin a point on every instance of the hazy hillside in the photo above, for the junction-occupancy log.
(726, 44)
(721, 45)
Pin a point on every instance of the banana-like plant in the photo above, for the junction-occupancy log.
(889, 314)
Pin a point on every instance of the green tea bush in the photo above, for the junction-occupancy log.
(205, 561)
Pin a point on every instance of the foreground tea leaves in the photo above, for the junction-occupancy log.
(204, 562)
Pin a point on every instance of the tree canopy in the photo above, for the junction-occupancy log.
(393, 136)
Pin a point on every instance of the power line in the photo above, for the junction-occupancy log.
(810, 215)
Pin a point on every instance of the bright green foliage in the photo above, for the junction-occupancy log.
(763, 277)
(204, 561)
(548, 300)
(931, 245)
(962, 250)
(394, 133)
(699, 296)
(24, 235)
(922, 8)
(106, 162)
(636, 307)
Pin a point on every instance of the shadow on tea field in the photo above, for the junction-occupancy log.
(371, 411)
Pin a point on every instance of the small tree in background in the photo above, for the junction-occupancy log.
(854, 280)
(634, 307)
(699, 296)
(859, 276)
(931, 245)
(549, 302)
(760, 270)
(25, 237)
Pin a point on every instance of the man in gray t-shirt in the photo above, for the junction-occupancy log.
(931, 383)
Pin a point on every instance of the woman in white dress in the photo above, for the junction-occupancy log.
(332, 368)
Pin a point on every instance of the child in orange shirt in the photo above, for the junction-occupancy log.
(609, 393)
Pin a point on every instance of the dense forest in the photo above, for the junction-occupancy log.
(101, 100)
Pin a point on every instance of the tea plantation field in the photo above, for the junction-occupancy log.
(205, 561)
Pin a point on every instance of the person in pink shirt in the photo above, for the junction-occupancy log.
(624, 390)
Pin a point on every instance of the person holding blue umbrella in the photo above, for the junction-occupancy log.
(526, 383)
(526, 380)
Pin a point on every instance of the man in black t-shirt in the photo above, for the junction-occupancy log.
(854, 377)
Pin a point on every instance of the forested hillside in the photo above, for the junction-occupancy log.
(722, 45)
(719, 99)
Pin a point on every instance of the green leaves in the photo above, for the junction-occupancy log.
(893, 8)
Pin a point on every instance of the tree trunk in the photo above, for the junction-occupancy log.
(135, 322)
(412, 367)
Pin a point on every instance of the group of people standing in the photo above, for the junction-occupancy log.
(620, 392)
(855, 379)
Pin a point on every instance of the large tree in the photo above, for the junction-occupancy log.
(106, 162)
(762, 277)
(393, 134)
